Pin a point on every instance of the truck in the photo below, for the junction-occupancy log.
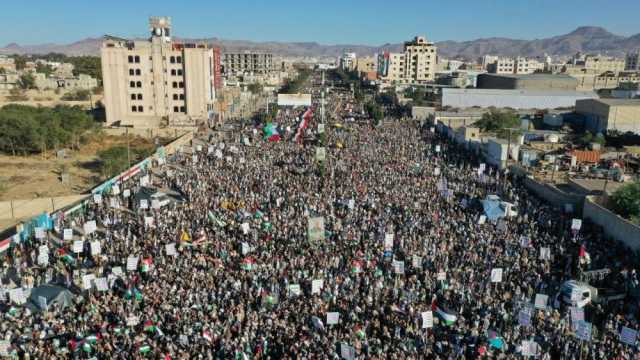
(577, 293)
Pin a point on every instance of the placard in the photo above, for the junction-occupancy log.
(194, 158)
(524, 317)
(133, 321)
(113, 203)
(628, 336)
(171, 249)
(40, 233)
(576, 224)
(67, 234)
(117, 271)
(218, 154)
(315, 229)
(115, 189)
(321, 154)
(144, 204)
(529, 348)
(351, 204)
(541, 301)
(245, 228)
(97, 198)
(96, 248)
(437, 148)
(86, 281)
(4, 347)
(436, 171)
(17, 296)
(126, 193)
(101, 284)
(524, 241)
(398, 267)
(427, 319)
(42, 303)
(132, 263)
(144, 181)
(347, 352)
(333, 318)
(316, 286)
(416, 262)
(545, 253)
(148, 221)
(294, 290)
(320, 128)
(442, 276)
(388, 242)
(496, 275)
(89, 227)
(78, 246)
(482, 219)
(577, 314)
(583, 331)
(43, 259)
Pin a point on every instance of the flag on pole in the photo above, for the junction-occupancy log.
(445, 314)
(66, 257)
(248, 263)
(5, 244)
(149, 326)
(207, 335)
(92, 339)
(360, 331)
(143, 349)
(356, 266)
(146, 265)
(271, 133)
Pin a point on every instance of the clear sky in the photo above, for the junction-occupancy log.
(371, 22)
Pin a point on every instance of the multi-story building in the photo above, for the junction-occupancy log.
(7, 63)
(159, 81)
(348, 61)
(519, 65)
(594, 64)
(632, 61)
(416, 65)
(247, 62)
(366, 64)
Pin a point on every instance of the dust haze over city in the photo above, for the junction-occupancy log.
(285, 180)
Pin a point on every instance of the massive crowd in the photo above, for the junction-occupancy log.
(404, 261)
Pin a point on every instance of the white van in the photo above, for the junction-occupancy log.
(577, 293)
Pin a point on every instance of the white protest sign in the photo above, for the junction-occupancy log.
(40, 233)
(113, 202)
(541, 301)
(17, 296)
(144, 181)
(398, 267)
(524, 241)
(218, 154)
(388, 242)
(86, 281)
(155, 204)
(67, 234)
(171, 249)
(436, 171)
(351, 204)
(333, 318)
(245, 248)
(347, 352)
(628, 336)
(78, 246)
(576, 224)
(437, 148)
(416, 261)
(194, 159)
(482, 219)
(315, 229)
(43, 259)
(245, 228)
(126, 193)
(132, 263)
(4, 347)
(481, 168)
(144, 204)
(133, 321)
(545, 253)
(42, 303)
(43, 249)
(96, 248)
(427, 319)
(89, 227)
(496, 275)
(529, 348)
(442, 276)
(320, 128)
(115, 189)
(101, 284)
(97, 198)
(148, 221)
(117, 271)
(198, 148)
(316, 286)
(294, 290)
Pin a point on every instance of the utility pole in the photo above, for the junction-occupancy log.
(128, 147)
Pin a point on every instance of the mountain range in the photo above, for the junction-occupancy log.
(586, 39)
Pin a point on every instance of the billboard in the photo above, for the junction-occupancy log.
(294, 99)
(383, 63)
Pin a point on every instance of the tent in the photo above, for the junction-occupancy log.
(494, 208)
(57, 295)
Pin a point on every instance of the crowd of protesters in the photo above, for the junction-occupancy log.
(402, 238)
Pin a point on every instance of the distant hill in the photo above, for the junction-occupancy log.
(587, 39)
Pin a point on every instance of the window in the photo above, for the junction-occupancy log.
(174, 84)
(138, 72)
(175, 96)
(134, 109)
(179, 59)
(179, 72)
(133, 96)
(176, 109)
(172, 59)
(181, 85)
(181, 96)
(130, 72)
(130, 59)
(132, 84)
(173, 72)
(137, 59)
(139, 84)
(183, 109)
(140, 109)
(139, 96)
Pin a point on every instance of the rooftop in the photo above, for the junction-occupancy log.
(533, 76)
(497, 92)
(619, 102)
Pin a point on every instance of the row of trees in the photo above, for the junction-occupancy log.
(117, 159)
(292, 86)
(89, 65)
(27, 129)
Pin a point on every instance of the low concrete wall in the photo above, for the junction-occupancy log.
(553, 195)
(148, 133)
(17, 209)
(613, 225)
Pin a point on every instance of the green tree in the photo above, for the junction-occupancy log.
(20, 61)
(255, 88)
(496, 120)
(375, 111)
(44, 68)
(626, 201)
(27, 81)
(113, 160)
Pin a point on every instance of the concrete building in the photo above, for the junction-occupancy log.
(632, 61)
(527, 82)
(7, 63)
(9, 80)
(80, 82)
(157, 82)
(606, 80)
(366, 64)
(415, 65)
(348, 61)
(595, 64)
(603, 115)
(247, 62)
(507, 65)
(515, 99)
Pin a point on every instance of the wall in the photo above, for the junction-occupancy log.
(553, 195)
(612, 224)
(17, 209)
(148, 133)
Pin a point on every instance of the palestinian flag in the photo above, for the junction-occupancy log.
(5, 244)
(92, 339)
(86, 347)
(495, 340)
(146, 265)
(356, 266)
(215, 220)
(207, 335)
(271, 133)
(66, 257)
(149, 327)
(583, 255)
(143, 349)
(12, 311)
(259, 214)
(304, 122)
(360, 331)
(248, 263)
(445, 314)
(266, 226)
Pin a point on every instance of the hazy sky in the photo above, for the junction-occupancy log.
(371, 22)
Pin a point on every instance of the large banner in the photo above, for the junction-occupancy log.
(315, 230)
(294, 99)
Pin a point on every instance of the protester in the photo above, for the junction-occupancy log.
(392, 194)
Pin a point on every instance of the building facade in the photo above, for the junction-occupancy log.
(348, 61)
(594, 64)
(247, 62)
(366, 64)
(603, 115)
(157, 82)
(506, 65)
(415, 65)
(632, 61)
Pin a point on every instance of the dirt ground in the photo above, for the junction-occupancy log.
(34, 176)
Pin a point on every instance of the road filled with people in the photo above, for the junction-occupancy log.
(378, 248)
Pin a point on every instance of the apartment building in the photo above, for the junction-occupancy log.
(594, 64)
(632, 61)
(247, 62)
(507, 65)
(348, 61)
(415, 65)
(366, 64)
(158, 82)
